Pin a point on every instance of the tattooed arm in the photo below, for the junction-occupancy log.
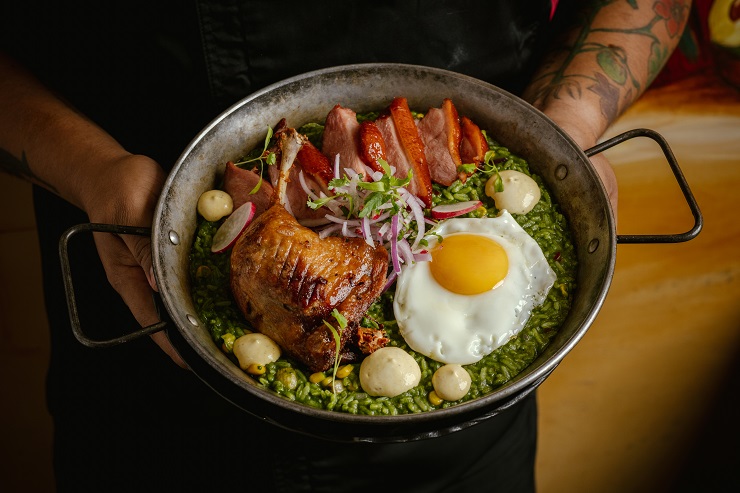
(46, 142)
(606, 60)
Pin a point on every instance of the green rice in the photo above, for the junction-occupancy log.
(209, 275)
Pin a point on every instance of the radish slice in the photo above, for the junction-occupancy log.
(447, 211)
(232, 227)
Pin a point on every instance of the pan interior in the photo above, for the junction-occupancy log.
(517, 125)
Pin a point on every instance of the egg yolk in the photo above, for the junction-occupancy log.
(468, 264)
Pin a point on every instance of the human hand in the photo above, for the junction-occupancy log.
(585, 140)
(608, 178)
(125, 192)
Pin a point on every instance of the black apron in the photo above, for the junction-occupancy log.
(153, 74)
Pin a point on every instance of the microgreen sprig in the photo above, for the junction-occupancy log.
(491, 168)
(384, 190)
(337, 334)
(263, 158)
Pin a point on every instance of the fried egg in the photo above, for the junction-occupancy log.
(476, 293)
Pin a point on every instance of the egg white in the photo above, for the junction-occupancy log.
(461, 329)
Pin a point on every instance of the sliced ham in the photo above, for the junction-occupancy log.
(440, 132)
(239, 182)
(405, 148)
(341, 137)
(317, 172)
(393, 147)
(296, 198)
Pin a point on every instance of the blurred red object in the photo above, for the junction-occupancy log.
(700, 49)
(694, 52)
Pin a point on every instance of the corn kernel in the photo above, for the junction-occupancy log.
(316, 377)
(228, 344)
(255, 369)
(344, 371)
(435, 399)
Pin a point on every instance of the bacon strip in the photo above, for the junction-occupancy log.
(238, 182)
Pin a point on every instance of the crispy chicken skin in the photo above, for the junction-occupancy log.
(286, 281)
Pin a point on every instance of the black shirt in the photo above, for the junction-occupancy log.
(153, 73)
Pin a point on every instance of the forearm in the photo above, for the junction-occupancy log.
(45, 141)
(605, 62)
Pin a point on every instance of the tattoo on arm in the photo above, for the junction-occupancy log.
(615, 76)
(19, 167)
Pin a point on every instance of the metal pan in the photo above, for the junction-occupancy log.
(552, 154)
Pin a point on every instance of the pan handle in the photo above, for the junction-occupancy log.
(668, 238)
(69, 288)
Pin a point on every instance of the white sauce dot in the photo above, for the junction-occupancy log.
(520, 194)
(451, 382)
(215, 204)
(255, 349)
(388, 372)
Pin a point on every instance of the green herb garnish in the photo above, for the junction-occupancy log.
(337, 334)
(263, 158)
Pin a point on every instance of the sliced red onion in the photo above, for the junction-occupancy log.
(336, 166)
(366, 232)
(416, 208)
(329, 230)
(335, 219)
(425, 256)
(350, 173)
(286, 204)
(305, 187)
(405, 250)
(394, 244)
(380, 218)
(390, 280)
